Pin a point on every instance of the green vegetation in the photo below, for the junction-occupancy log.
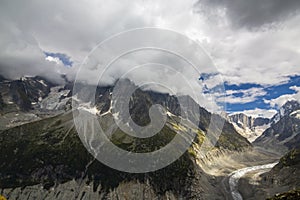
(1, 103)
(291, 159)
(49, 152)
(231, 140)
(41, 152)
(142, 145)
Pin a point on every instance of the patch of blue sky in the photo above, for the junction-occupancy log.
(272, 92)
(65, 59)
(279, 90)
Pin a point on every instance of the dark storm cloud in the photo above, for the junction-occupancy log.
(251, 13)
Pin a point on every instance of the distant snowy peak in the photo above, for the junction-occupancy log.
(248, 126)
(252, 127)
(248, 121)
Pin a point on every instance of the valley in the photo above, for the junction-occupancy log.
(235, 176)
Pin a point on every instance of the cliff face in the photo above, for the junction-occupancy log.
(248, 126)
(244, 121)
(23, 94)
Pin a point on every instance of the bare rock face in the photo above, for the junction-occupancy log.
(23, 94)
(29, 99)
(284, 132)
(248, 126)
(81, 190)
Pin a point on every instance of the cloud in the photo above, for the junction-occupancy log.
(249, 41)
(169, 66)
(20, 55)
(280, 101)
(251, 14)
(257, 112)
(30, 28)
(243, 96)
(59, 58)
(54, 59)
(73, 29)
(265, 57)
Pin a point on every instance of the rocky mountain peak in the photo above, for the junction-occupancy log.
(284, 132)
(248, 126)
(22, 94)
(288, 108)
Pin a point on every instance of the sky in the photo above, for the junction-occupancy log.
(254, 45)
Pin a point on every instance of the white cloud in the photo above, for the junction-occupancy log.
(54, 59)
(73, 28)
(264, 56)
(20, 55)
(257, 112)
(244, 96)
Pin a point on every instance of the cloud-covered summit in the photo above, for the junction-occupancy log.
(251, 42)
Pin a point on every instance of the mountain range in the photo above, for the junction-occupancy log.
(43, 156)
